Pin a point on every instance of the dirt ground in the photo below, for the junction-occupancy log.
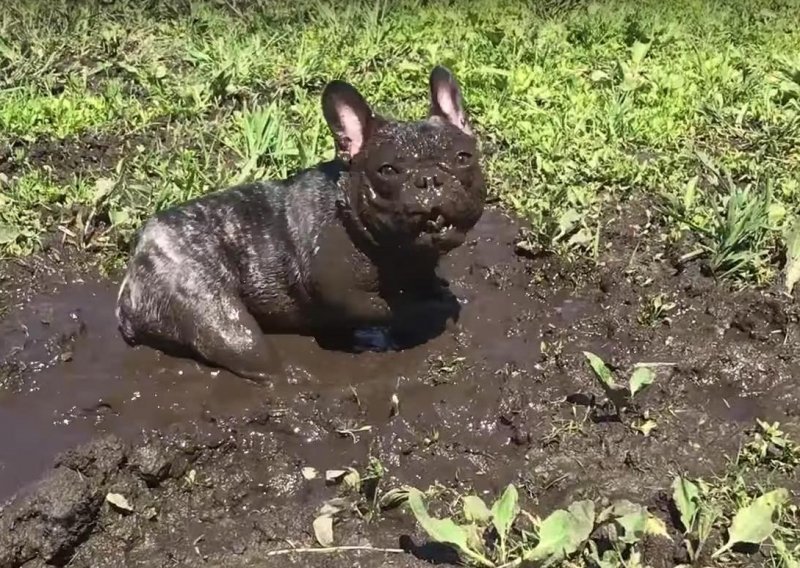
(211, 464)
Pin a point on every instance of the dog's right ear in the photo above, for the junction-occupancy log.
(348, 116)
(446, 99)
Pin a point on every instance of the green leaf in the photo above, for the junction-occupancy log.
(686, 496)
(637, 521)
(792, 267)
(119, 216)
(102, 188)
(639, 51)
(442, 530)
(564, 532)
(504, 511)
(475, 509)
(690, 194)
(641, 378)
(393, 498)
(474, 537)
(616, 394)
(785, 555)
(567, 222)
(8, 234)
(601, 370)
(753, 524)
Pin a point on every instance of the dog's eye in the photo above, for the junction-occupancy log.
(387, 170)
(464, 157)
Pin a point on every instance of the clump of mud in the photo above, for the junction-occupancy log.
(211, 465)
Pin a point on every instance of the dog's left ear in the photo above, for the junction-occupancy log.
(349, 117)
(446, 99)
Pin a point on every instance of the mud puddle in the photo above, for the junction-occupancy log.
(77, 378)
(506, 396)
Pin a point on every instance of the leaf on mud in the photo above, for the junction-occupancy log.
(352, 479)
(792, 268)
(119, 502)
(334, 506)
(753, 524)
(309, 473)
(323, 530)
(686, 496)
(475, 509)
(334, 475)
(600, 369)
(642, 377)
(616, 394)
(564, 532)
(393, 498)
(8, 234)
(647, 426)
(637, 521)
(440, 530)
(505, 510)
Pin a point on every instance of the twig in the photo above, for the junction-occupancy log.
(330, 549)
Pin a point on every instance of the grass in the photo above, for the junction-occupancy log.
(579, 105)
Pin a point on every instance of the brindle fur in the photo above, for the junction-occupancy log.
(349, 243)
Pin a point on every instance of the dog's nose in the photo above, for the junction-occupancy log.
(427, 181)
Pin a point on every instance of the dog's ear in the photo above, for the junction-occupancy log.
(446, 99)
(349, 117)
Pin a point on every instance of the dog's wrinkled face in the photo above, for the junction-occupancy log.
(412, 184)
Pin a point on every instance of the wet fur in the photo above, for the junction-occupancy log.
(319, 253)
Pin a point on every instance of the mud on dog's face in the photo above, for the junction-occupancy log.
(413, 184)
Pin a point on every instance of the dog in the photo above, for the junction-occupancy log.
(350, 243)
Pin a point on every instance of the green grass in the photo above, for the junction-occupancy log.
(569, 98)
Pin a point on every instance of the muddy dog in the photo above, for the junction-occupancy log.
(350, 243)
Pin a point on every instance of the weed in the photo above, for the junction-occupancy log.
(620, 396)
(655, 310)
(714, 518)
(504, 535)
(771, 447)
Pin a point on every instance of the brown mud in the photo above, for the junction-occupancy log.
(211, 464)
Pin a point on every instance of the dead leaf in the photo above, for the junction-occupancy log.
(119, 502)
(323, 530)
(333, 475)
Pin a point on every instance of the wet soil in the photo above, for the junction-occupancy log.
(212, 465)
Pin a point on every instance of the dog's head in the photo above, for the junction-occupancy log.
(412, 184)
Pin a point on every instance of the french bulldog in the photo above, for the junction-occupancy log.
(350, 243)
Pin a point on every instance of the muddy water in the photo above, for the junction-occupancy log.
(81, 379)
(480, 406)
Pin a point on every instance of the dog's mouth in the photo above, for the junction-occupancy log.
(437, 225)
